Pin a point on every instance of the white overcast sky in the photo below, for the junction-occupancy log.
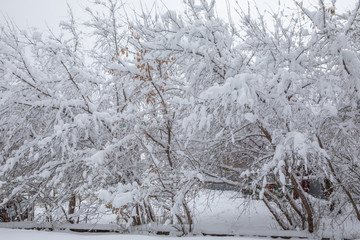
(42, 13)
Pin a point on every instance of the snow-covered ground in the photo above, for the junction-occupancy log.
(220, 213)
(16, 234)
(215, 213)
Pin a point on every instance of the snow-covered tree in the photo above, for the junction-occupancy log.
(162, 105)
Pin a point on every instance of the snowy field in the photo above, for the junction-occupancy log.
(218, 212)
(15, 234)
(215, 213)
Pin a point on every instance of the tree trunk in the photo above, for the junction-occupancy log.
(71, 211)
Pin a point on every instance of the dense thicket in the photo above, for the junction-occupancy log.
(162, 106)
